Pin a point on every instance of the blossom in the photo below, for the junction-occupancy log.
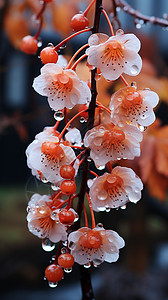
(115, 189)
(110, 142)
(132, 106)
(74, 137)
(46, 154)
(42, 221)
(95, 245)
(114, 55)
(62, 87)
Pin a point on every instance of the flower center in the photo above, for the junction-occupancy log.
(91, 239)
(132, 100)
(63, 83)
(114, 137)
(52, 151)
(112, 182)
(114, 51)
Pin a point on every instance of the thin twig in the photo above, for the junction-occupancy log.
(135, 13)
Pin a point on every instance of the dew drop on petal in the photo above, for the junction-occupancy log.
(100, 167)
(47, 245)
(97, 261)
(52, 284)
(102, 195)
(89, 183)
(99, 225)
(58, 115)
(134, 70)
(88, 265)
(123, 207)
(119, 31)
(121, 124)
(55, 187)
(141, 128)
(101, 208)
(108, 209)
(95, 265)
(68, 270)
(71, 245)
(76, 217)
(44, 180)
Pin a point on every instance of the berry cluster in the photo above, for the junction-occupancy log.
(56, 157)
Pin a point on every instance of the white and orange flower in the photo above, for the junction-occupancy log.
(114, 55)
(42, 221)
(111, 142)
(133, 107)
(62, 87)
(46, 154)
(115, 189)
(95, 245)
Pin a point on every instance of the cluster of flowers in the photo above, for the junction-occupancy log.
(52, 155)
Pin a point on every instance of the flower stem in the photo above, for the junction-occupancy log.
(91, 211)
(40, 16)
(78, 60)
(70, 37)
(88, 8)
(76, 53)
(108, 20)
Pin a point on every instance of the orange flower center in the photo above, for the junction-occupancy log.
(63, 83)
(113, 137)
(112, 182)
(91, 240)
(52, 151)
(132, 100)
(114, 51)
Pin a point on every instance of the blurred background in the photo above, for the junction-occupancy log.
(142, 270)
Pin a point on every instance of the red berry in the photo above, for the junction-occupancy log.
(68, 187)
(79, 22)
(67, 172)
(48, 55)
(66, 260)
(66, 216)
(54, 273)
(29, 45)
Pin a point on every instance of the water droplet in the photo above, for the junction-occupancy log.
(52, 284)
(76, 217)
(50, 45)
(134, 84)
(101, 208)
(39, 43)
(45, 278)
(134, 70)
(141, 128)
(119, 31)
(102, 195)
(63, 250)
(97, 76)
(71, 245)
(58, 115)
(28, 208)
(100, 167)
(63, 47)
(88, 265)
(68, 270)
(55, 187)
(83, 120)
(89, 183)
(118, 8)
(121, 124)
(65, 243)
(108, 209)
(118, 158)
(44, 180)
(89, 159)
(47, 245)
(34, 21)
(99, 225)
(97, 261)
(53, 258)
(138, 26)
(123, 207)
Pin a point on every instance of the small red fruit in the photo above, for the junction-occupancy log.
(49, 55)
(67, 172)
(29, 45)
(54, 273)
(66, 216)
(66, 260)
(68, 187)
(79, 22)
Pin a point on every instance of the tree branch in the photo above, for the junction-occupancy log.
(135, 13)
